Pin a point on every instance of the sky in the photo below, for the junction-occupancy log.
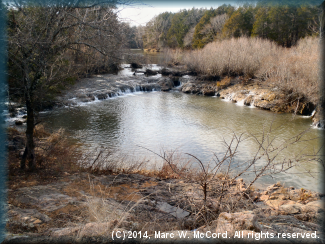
(141, 12)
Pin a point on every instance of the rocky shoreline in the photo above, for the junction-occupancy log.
(83, 205)
(236, 89)
(248, 92)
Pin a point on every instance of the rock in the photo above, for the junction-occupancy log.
(208, 92)
(27, 215)
(149, 87)
(275, 203)
(239, 97)
(19, 122)
(232, 222)
(264, 197)
(274, 187)
(69, 231)
(175, 211)
(165, 72)
(87, 230)
(136, 66)
(88, 99)
(313, 207)
(264, 104)
(150, 72)
(291, 208)
(81, 96)
(102, 96)
(191, 88)
(37, 221)
(166, 84)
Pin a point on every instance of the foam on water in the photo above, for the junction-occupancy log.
(241, 103)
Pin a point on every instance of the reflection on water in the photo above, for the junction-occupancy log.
(188, 123)
(151, 57)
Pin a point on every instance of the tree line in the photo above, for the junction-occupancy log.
(282, 23)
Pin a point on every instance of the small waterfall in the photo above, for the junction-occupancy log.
(241, 102)
(313, 113)
(309, 116)
(229, 97)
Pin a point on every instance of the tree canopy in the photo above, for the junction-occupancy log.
(283, 22)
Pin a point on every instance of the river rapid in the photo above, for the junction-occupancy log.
(136, 124)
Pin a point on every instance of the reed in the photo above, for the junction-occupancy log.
(294, 70)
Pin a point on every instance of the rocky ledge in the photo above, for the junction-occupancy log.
(250, 94)
(83, 206)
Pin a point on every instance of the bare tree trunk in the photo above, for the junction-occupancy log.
(29, 152)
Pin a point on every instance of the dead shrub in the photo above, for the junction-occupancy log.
(55, 150)
(218, 183)
(105, 161)
(40, 132)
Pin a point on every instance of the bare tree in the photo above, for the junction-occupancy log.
(214, 27)
(188, 39)
(266, 161)
(45, 39)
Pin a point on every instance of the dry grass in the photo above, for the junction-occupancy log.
(172, 57)
(294, 70)
(105, 161)
(54, 150)
(55, 154)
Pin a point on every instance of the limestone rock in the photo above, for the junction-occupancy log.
(313, 207)
(232, 222)
(291, 208)
(208, 92)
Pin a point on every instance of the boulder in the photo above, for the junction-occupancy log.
(263, 104)
(166, 84)
(291, 208)
(150, 72)
(165, 72)
(191, 88)
(208, 91)
(313, 207)
(136, 66)
(19, 122)
(102, 96)
(232, 222)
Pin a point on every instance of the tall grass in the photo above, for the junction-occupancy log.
(294, 69)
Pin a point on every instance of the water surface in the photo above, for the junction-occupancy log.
(198, 125)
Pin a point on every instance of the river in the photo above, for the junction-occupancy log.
(140, 123)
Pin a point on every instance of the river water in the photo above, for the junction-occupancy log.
(138, 124)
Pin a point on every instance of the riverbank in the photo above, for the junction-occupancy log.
(64, 202)
(238, 89)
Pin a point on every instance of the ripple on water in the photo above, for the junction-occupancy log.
(186, 123)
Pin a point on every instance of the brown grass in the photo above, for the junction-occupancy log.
(294, 70)
(55, 154)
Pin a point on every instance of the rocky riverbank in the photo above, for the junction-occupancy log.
(83, 205)
(153, 78)
(236, 89)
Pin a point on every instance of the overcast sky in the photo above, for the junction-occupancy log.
(140, 13)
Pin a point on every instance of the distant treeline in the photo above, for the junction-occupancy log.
(191, 29)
